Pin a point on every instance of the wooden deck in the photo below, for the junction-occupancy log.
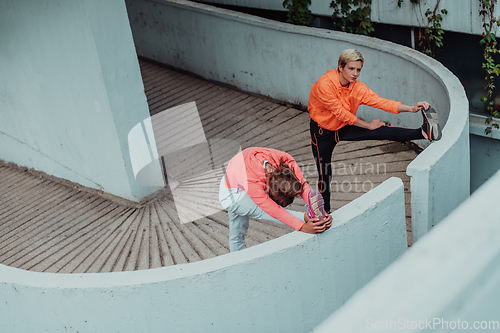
(48, 226)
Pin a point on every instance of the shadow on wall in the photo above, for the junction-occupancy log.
(161, 156)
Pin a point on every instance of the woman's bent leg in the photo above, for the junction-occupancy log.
(238, 227)
(239, 217)
(323, 143)
(246, 207)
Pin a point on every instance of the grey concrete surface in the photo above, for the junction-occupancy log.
(49, 225)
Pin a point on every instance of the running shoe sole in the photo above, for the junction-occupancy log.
(316, 205)
(434, 129)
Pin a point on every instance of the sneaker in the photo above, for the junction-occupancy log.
(315, 207)
(431, 127)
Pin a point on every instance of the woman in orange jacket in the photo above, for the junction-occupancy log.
(333, 103)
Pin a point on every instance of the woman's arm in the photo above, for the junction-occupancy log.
(376, 123)
(416, 108)
(313, 226)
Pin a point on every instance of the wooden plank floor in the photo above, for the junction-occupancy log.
(48, 226)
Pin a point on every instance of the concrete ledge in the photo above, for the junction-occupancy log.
(463, 19)
(484, 157)
(284, 60)
(477, 126)
(441, 173)
(69, 87)
(448, 281)
(285, 285)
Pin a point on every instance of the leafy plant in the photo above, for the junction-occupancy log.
(432, 36)
(490, 24)
(352, 16)
(298, 12)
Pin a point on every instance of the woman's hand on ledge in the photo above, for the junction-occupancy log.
(314, 226)
(420, 105)
(374, 124)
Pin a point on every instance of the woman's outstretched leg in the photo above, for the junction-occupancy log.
(400, 134)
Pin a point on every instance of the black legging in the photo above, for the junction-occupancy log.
(324, 141)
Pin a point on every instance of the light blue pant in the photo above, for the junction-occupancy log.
(240, 208)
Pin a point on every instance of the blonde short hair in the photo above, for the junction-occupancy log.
(350, 55)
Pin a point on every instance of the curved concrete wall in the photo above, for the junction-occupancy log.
(289, 284)
(484, 148)
(447, 282)
(283, 61)
(70, 91)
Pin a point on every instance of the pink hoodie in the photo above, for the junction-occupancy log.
(246, 171)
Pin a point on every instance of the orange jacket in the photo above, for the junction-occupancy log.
(246, 171)
(333, 106)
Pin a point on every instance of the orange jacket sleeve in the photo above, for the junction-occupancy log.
(333, 106)
(372, 99)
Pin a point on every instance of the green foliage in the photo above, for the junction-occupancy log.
(490, 24)
(433, 33)
(298, 12)
(352, 16)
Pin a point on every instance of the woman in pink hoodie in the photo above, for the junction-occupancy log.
(259, 183)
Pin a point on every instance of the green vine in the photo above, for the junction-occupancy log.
(433, 33)
(430, 36)
(352, 16)
(490, 24)
(298, 12)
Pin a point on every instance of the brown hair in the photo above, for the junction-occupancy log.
(283, 185)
